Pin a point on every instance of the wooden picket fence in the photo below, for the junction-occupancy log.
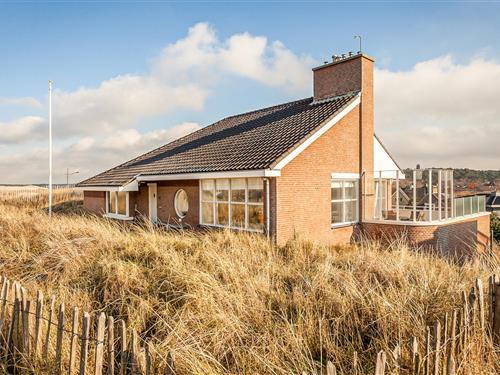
(45, 340)
(32, 335)
(447, 342)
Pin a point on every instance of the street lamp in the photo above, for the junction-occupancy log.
(69, 174)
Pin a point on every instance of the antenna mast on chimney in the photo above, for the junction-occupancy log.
(358, 37)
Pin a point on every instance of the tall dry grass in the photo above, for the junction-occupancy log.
(233, 303)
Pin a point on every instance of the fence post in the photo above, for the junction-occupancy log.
(99, 349)
(59, 337)
(437, 347)
(330, 369)
(170, 367)
(111, 345)
(428, 352)
(123, 348)
(355, 363)
(26, 327)
(380, 367)
(84, 351)
(496, 325)
(480, 303)
(149, 359)
(73, 341)
(5, 297)
(414, 355)
(38, 322)
(49, 325)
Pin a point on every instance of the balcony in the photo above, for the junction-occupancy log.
(415, 196)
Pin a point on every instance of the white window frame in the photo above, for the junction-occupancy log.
(343, 200)
(116, 215)
(229, 202)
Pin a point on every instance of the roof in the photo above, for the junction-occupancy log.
(249, 141)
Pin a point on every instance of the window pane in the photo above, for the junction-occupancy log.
(349, 190)
(122, 203)
(337, 216)
(112, 202)
(336, 190)
(207, 187)
(255, 190)
(350, 211)
(255, 216)
(181, 203)
(222, 214)
(222, 192)
(207, 213)
(238, 215)
(238, 190)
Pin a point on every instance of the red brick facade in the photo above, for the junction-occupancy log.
(95, 202)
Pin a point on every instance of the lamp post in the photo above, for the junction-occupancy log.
(69, 174)
(50, 148)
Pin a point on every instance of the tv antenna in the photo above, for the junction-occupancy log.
(359, 37)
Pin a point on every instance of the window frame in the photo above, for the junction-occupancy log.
(246, 203)
(116, 215)
(176, 209)
(344, 201)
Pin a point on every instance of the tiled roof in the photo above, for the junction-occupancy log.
(253, 140)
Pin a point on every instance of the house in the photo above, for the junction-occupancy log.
(493, 203)
(312, 167)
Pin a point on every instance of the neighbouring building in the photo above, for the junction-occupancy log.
(311, 167)
(493, 203)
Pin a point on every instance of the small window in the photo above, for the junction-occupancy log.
(117, 204)
(344, 199)
(181, 203)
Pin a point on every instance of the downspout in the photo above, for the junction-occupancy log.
(268, 209)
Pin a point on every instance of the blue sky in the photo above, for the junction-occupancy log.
(81, 45)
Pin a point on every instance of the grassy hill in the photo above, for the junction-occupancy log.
(233, 303)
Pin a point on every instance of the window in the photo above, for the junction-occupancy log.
(117, 203)
(345, 205)
(235, 203)
(181, 203)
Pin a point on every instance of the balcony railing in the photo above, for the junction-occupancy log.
(419, 195)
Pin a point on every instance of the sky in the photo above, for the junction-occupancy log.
(131, 76)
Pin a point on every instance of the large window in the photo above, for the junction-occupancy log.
(345, 205)
(234, 203)
(117, 203)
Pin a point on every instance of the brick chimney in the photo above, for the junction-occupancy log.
(351, 73)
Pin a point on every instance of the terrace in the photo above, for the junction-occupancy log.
(421, 196)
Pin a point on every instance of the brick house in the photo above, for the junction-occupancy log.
(312, 167)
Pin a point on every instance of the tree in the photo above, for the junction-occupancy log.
(495, 226)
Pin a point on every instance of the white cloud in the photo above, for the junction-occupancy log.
(441, 113)
(202, 56)
(88, 155)
(22, 130)
(28, 102)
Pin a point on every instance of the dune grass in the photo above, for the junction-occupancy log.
(234, 303)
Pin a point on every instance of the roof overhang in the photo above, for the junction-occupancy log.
(133, 185)
(208, 175)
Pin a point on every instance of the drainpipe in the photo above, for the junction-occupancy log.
(268, 209)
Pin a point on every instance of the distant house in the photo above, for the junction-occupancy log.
(493, 203)
(312, 167)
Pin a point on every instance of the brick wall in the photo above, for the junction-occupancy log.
(301, 201)
(461, 238)
(166, 192)
(302, 205)
(95, 201)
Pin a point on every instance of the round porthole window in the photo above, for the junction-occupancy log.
(181, 203)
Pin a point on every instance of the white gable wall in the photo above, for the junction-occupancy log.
(383, 162)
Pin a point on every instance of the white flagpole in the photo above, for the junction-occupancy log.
(50, 148)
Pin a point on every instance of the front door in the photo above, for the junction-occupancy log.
(153, 202)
